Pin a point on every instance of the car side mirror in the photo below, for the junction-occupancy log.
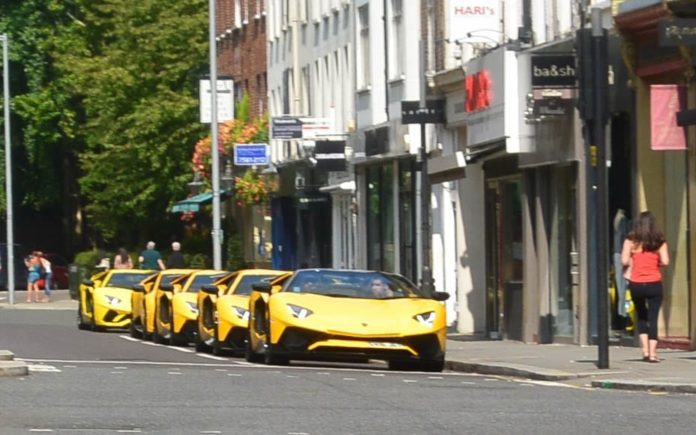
(210, 289)
(263, 287)
(167, 287)
(441, 296)
(139, 288)
(88, 282)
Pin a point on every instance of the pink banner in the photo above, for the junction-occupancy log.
(665, 102)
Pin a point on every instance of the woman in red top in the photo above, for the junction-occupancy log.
(644, 252)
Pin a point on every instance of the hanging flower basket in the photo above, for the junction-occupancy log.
(253, 188)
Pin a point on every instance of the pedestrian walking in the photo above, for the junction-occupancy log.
(150, 258)
(46, 273)
(176, 259)
(33, 276)
(122, 260)
(644, 252)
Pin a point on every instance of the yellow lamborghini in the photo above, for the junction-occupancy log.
(144, 302)
(223, 317)
(105, 298)
(339, 314)
(177, 309)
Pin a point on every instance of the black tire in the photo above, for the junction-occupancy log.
(80, 324)
(200, 345)
(217, 346)
(134, 330)
(436, 365)
(270, 356)
(249, 354)
(146, 335)
(93, 321)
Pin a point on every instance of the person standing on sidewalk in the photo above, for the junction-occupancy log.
(150, 258)
(47, 275)
(644, 252)
(176, 259)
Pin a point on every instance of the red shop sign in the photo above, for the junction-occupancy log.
(479, 91)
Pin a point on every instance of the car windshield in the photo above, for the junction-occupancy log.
(125, 280)
(354, 284)
(201, 280)
(244, 286)
(167, 279)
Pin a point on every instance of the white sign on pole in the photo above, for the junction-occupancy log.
(225, 100)
(476, 21)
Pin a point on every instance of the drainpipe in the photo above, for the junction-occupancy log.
(386, 58)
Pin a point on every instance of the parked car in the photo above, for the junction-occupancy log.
(59, 268)
(144, 301)
(342, 314)
(223, 315)
(105, 298)
(176, 315)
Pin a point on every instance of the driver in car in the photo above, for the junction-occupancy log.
(379, 288)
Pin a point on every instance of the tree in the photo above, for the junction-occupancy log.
(136, 78)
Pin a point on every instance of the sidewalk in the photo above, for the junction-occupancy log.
(575, 365)
(570, 364)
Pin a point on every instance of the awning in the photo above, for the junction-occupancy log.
(194, 203)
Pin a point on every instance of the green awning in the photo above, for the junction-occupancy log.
(195, 202)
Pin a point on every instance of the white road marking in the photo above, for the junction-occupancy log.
(348, 379)
(173, 373)
(377, 374)
(43, 368)
(129, 431)
(290, 376)
(234, 374)
(220, 370)
(410, 381)
(298, 433)
(218, 358)
(468, 383)
(116, 373)
(181, 349)
(491, 380)
(129, 338)
(40, 430)
(69, 366)
(210, 431)
(323, 373)
(550, 384)
(435, 377)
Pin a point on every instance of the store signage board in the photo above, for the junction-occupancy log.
(225, 99)
(251, 154)
(294, 127)
(553, 71)
(432, 113)
(676, 32)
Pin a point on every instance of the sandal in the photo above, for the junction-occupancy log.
(654, 360)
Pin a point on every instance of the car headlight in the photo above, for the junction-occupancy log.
(192, 306)
(241, 312)
(426, 319)
(299, 312)
(112, 300)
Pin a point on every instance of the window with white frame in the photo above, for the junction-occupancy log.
(396, 40)
(364, 46)
(237, 13)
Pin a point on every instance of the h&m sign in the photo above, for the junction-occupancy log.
(553, 71)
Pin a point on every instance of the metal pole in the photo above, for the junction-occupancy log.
(8, 168)
(215, 171)
(427, 274)
(599, 190)
(296, 74)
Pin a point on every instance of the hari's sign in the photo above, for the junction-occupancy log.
(553, 71)
(680, 31)
(475, 21)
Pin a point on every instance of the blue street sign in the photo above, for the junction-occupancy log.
(250, 154)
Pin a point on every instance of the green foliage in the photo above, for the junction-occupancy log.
(242, 110)
(196, 261)
(86, 259)
(235, 253)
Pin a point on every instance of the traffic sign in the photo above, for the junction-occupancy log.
(251, 154)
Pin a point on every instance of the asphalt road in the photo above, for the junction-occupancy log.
(107, 383)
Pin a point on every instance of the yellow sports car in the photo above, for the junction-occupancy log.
(105, 298)
(144, 303)
(339, 314)
(176, 315)
(223, 317)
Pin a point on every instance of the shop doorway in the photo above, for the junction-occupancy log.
(504, 258)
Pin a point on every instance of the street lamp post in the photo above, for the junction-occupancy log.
(8, 168)
(215, 171)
